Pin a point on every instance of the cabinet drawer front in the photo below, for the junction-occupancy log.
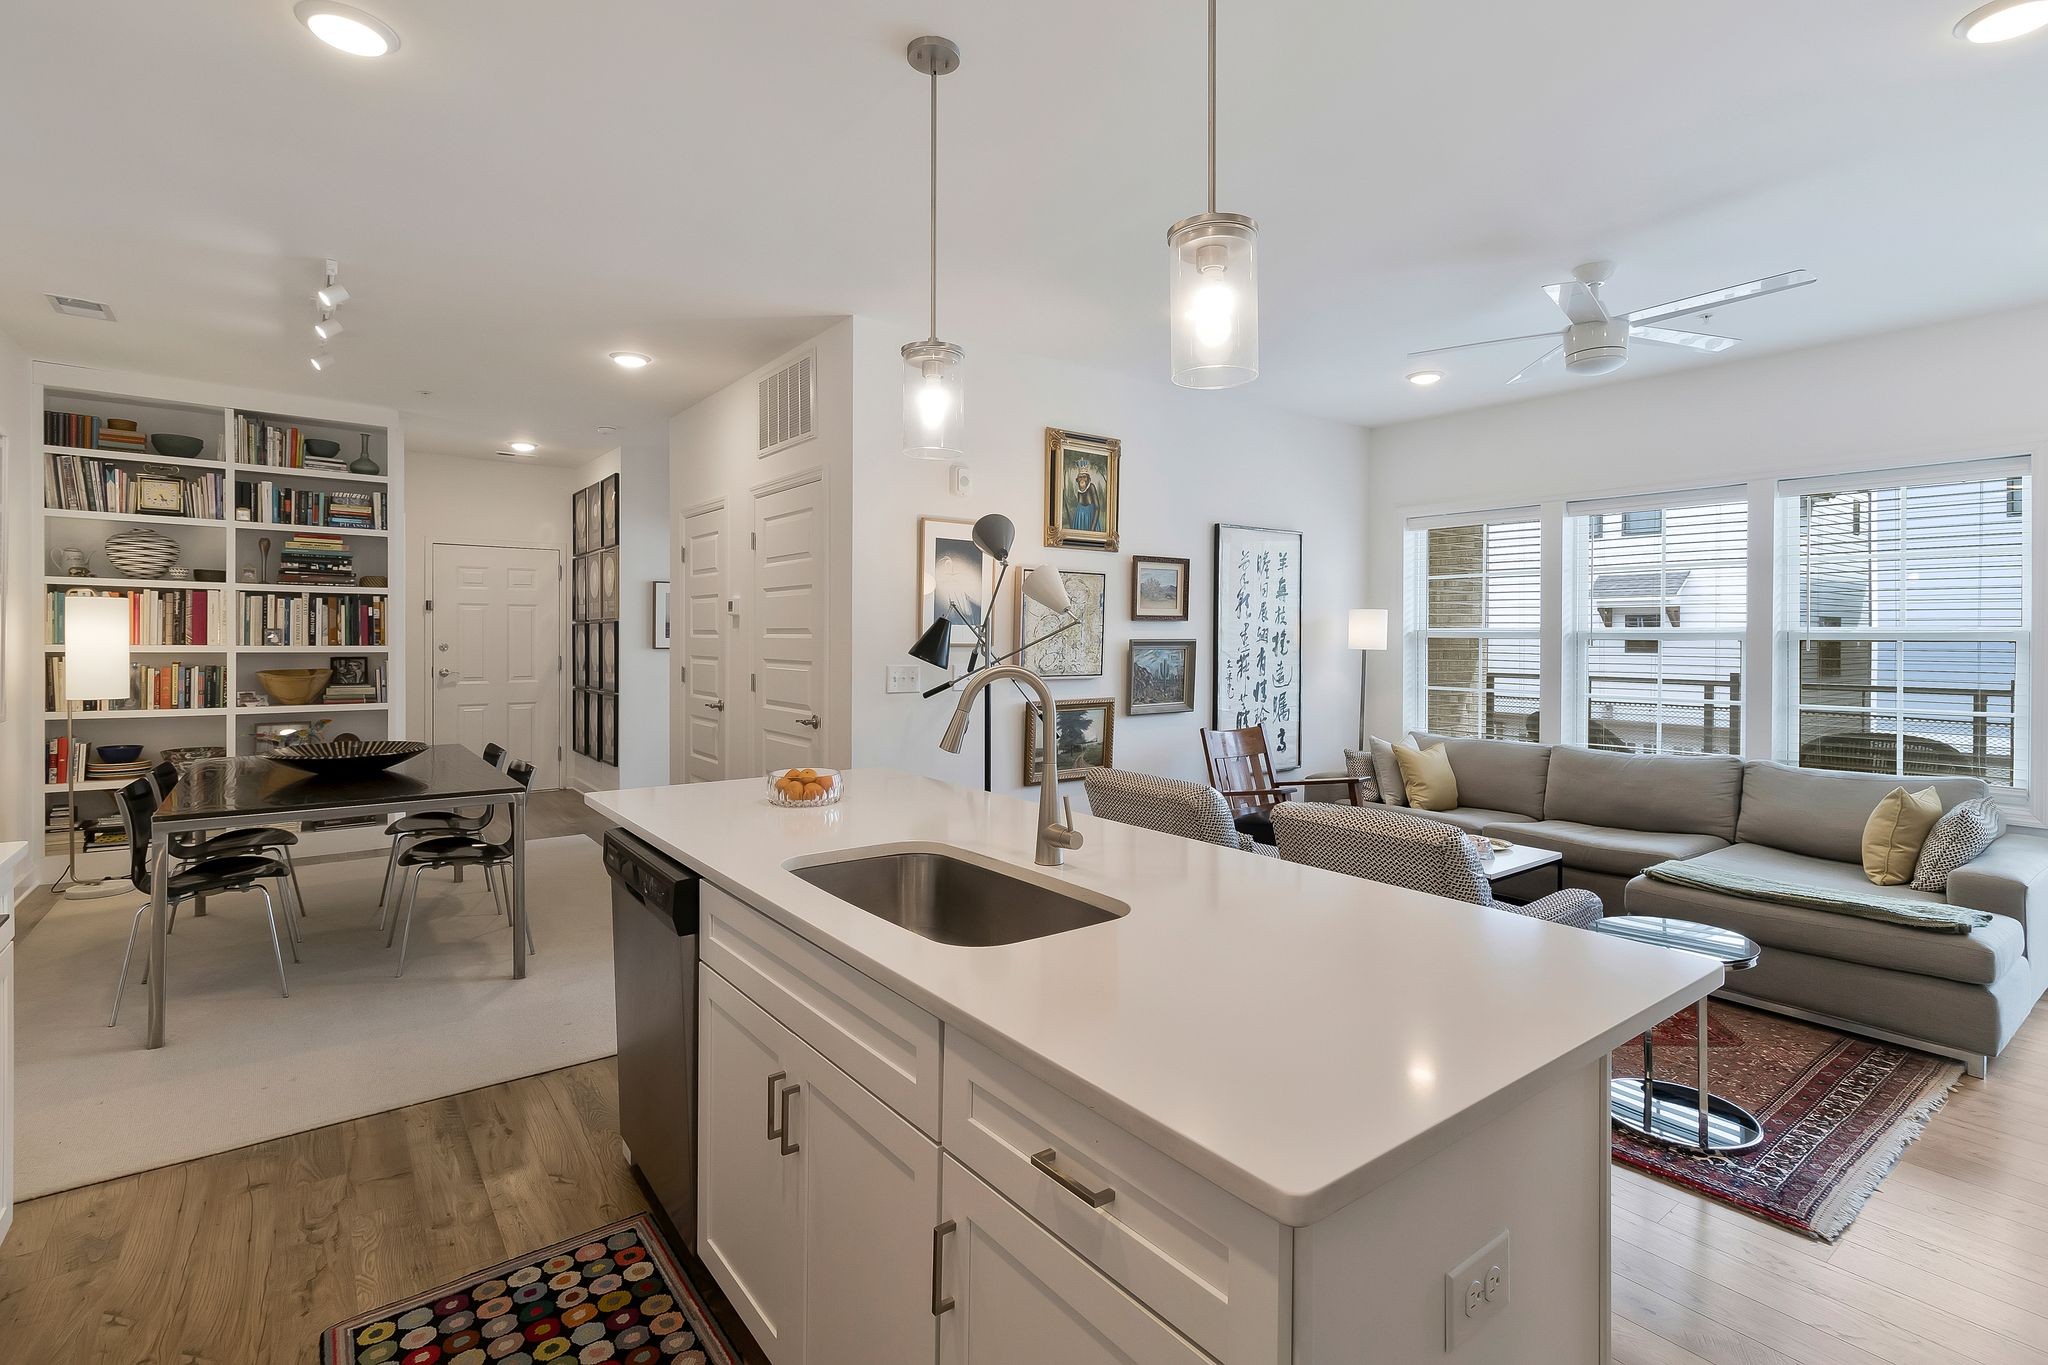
(1213, 1266)
(1020, 1298)
(871, 1033)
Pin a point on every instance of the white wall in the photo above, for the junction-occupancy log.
(21, 500)
(644, 555)
(714, 460)
(1190, 459)
(1954, 390)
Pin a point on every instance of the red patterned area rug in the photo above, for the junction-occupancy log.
(1837, 1112)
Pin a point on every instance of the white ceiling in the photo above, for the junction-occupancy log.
(526, 185)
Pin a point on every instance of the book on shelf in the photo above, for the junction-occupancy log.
(81, 483)
(316, 559)
(311, 620)
(151, 687)
(70, 429)
(57, 760)
(269, 503)
(156, 616)
(278, 445)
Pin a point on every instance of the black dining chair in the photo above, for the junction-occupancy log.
(456, 851)
(137, 803)
(427, 824)
(195, 845)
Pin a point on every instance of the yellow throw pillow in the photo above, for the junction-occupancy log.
(1894, 832)
(1427, 778)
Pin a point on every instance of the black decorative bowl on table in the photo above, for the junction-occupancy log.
(348, 758)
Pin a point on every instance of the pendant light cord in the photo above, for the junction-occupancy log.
(935, 201)
(1212, 111)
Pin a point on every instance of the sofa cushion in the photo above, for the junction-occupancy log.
(1822, 814)
(1597, 848)
(1385, 772)
(1667, 793)
(1968, 830)
(1979, 957)
(1500, 774)
(1475, 819)
(1893, 834)
(1427, 777)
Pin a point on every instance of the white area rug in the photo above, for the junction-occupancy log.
(243, 1064)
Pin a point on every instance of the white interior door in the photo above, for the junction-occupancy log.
(706, 680)
(787, 625)
(495, 664)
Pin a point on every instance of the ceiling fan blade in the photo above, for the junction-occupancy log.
(1538, 363)
(1697, 341)
(1578, 301)
(1755, 289)
(1475, 345)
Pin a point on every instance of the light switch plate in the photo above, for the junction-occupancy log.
(962, 481)
(1477, 1291)
(903, 678)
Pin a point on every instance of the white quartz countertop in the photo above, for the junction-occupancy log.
(1293, 1035)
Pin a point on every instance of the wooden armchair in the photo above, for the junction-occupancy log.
(1241, 770)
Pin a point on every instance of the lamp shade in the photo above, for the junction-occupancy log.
(1369, 628)
(994, 534)
(935, 646)
(1044, 586)
(96, 640)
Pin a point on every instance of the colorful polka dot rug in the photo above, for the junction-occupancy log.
(616, 1295)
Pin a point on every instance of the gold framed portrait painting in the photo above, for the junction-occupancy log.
(1081, 489)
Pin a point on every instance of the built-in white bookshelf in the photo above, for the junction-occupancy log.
(229, 547)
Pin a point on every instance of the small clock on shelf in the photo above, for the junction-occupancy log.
(159, 495)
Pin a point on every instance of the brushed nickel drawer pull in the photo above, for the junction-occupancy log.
(788, 1148)
(940, 1305)
(777, 1079)
(1094, 1199)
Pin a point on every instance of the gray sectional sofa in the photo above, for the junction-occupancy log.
(1612, 815)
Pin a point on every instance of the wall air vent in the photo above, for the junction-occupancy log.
(80, 308)
(786, 407)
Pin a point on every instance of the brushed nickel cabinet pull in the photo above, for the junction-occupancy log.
(940, 1305)
(788, 1148)
(777, 1079)
(1094, 1199)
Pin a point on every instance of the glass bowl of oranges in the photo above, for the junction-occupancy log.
(805, 786)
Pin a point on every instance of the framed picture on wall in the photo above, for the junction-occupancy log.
(660, 613)
(1081, 489)
(579, 729)
(580, 521)
(608, 656)
(1083, 732)
(608, 729)
(1162, 677)
(579, 672)
(592, 739)
(590, 522)
(954, 578)
(1159, 588)
(1075, 652)
(611, 510)
(1258, 636)
(608, 561)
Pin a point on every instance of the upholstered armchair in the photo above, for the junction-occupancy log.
(1187, 809)
(1383, 844)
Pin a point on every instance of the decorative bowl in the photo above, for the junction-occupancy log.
(117, 753)
(802, 787)
(294, 686)
(140, 553)
(326, 450)
(177, 447)
(349, 759)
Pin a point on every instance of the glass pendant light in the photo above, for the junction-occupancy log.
(933, 402)
(1213, 264)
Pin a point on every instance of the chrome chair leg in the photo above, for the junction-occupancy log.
(298, 896)
(390, 866)
(276, 948)
(127, 955)
(290, 895)
(412, 900)
(394, 879)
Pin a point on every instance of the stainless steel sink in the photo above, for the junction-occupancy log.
(950, 900)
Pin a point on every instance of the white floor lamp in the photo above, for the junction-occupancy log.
(1368, 635)
(96, 644)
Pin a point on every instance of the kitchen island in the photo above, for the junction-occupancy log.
(1257, 1113)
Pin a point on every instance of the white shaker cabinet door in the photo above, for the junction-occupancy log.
(1019, 1297)
(750, 1188)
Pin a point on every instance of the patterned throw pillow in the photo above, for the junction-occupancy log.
(1358, 763)
(1959, 836)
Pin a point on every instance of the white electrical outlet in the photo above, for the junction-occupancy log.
(903, 678)
(1477, 1291)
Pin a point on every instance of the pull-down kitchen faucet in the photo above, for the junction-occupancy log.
(1054, 837)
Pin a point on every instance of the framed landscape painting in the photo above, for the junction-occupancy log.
(1083, 737)
(954, 578)
(1258, 636)
(1072, 653)
(1081, 489)
(1159, 588)
(1162, 677)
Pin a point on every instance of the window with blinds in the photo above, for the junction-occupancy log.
(1475, 590)
(1908, 648)
(1655, 634)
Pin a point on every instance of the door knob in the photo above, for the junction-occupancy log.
(811, 721)
(446, 671)
(714, 705)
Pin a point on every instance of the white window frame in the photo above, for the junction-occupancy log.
(1417, 632)
(1578, 635)
(1792, 635)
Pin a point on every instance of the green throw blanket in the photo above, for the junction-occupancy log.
(1932, 916)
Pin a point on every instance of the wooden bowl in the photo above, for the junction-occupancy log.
(295, 686)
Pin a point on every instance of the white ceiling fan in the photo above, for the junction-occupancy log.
(1596, 340)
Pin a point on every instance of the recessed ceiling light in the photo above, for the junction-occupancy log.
(631, 360)
(521, 447)
(347, 28)
(1422, 379)
(2002, 19)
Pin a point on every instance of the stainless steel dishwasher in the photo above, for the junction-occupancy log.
(654, 967)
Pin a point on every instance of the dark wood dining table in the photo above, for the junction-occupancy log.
(235, 793)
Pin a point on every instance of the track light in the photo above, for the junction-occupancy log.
(330, 296)
(327, 329)
(319, 362)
